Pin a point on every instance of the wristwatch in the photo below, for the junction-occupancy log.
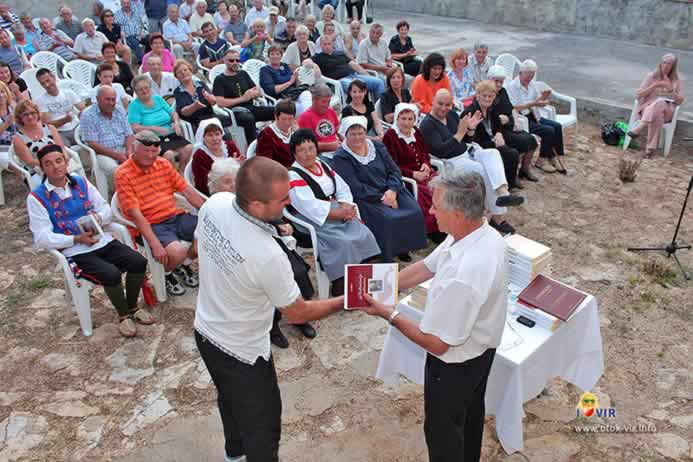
(392, 317)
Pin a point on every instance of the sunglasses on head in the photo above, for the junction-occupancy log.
(151, 143)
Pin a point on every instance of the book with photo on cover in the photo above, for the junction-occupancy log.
(88, 224)
(378, 279)
(552, 297)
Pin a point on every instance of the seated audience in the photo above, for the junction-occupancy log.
(313, 32)
(115, 34)
(11, 54)
(321, 119)
(17, 86)
(68, 23)
(235, 90)
(256, 42)
(54, 40)
(402, 49)
(431, 79)
(104, 127)
(186, 9)
(222, 178)
(374, 54)
(163, 84)
(350, 4)
(329, 32)
(88, 44)
(59, 107)
(279, 81)
(659, 94)
(151, 113)
(273, 140)
(328, 17)
(156, 42)
(133, 23)
(211, 146)
(300, 50)
(258, 11)
(352, 39)
(386, 206)
(321, 197)
(104, 73)
(55, 207)
(194, 101)
(408, 150)
(156, 14)
(96, 10)
(444, 132)
(222, 16)
(514, 136)
(488, 133)
(122, 73)
(178, 31)
(358, 104)
(461, 78)
(199, 18)
(480, 62)
(8, 128)
(213, 48)
(395, 94)
(23, 40)
(146, 184)
(30, 30)
(526, 98)
(236, 29)
(288, 35)
(7, 17)
(274, 24)
(338, 67)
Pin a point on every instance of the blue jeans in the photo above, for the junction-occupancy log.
(334, 3)
(374, 84)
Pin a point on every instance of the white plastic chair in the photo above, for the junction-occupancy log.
(81, 90)
(4, 163)
(28, 175)
(98, 175)
(667, 129)
(51, 61)
(307, 76)
(508, 62)
(566, 120)
(80, 71)
(79, 289)
(412, 184)
(190, 179)
(32, 83)
(205, 70)
(320, 275)
(251, 150)
(252, 67)
(379, 111)
(214, 72)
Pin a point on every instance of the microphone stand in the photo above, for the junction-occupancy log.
(673, 246)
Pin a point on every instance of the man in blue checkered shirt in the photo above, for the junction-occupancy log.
(133, 21)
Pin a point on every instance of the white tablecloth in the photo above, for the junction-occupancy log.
(525, 362)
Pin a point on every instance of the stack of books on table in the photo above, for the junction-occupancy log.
(526, 259)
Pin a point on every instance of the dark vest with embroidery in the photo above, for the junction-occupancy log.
(64, 213)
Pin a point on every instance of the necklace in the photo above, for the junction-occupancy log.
(319, 172)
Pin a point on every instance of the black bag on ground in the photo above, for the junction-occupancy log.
(612, 134)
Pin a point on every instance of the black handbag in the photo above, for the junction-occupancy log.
(612, 134)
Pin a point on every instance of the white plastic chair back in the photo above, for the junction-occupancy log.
(32, 83)
(508, 62)
(81, 71)
(252, 67)
(251, 150)
(214, 72)
(98, 175)
(49, 60)
(320, 275)
(81, 90)
(379, 112)
(668, 129)
(306, 75)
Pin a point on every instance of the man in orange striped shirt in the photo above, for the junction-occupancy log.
(146, 184)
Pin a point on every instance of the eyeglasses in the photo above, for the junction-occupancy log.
(150, 143)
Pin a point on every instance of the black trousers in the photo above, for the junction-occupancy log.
(246, 116)
(522, 141)
(511, 160)
(106, 265)
(551, 134)
(412, 67)
(359, 8)
(454, 407)
(249, 403)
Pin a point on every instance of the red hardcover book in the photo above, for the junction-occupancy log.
(379, 280)
(551, 296)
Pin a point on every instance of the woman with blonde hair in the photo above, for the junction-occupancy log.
(328, 16)
(7, 126)
(659, 94)
(32, 134)
(255, 41)
(461, 78)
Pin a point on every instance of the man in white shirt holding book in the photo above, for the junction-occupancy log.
(463, 320)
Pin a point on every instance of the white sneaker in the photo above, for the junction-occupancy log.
(234, 459)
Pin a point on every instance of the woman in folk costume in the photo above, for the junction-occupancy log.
(408, 149)
(210, 145)
(321, 197)
(273, 140)
(386, 206)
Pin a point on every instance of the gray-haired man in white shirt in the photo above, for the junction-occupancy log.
(464, 317)
(244, 275)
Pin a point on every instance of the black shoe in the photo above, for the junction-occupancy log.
(503, 227)
(509, 201)
(277, 338)
(307, 330)
(173, 287)
(405, 257)
(437, 237)
(527, 175)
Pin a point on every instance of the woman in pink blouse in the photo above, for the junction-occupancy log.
(658, 96)
(156, 42)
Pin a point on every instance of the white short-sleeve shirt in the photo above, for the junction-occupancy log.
(58, 106)
(244, 275)
(468, 296)
(521, 95)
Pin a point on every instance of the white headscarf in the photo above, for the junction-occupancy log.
(200, 138)
(348, 122)
(496, 72)
(405, 107)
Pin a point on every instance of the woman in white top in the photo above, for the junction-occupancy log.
(321, 197)
(300, 50)
(199, 17)
(328, 14)
(105, 75)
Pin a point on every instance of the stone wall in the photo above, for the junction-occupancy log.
(49, 8)
(667, 23)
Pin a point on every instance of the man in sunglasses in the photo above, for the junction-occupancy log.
(146, 184)
(236, 90)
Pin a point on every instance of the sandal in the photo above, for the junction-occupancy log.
(143, 317)
(173, 287)
(188, 276)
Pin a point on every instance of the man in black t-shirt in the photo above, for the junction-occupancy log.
(235, 89)
(338, 66)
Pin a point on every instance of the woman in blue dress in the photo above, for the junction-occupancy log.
(386, 206)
